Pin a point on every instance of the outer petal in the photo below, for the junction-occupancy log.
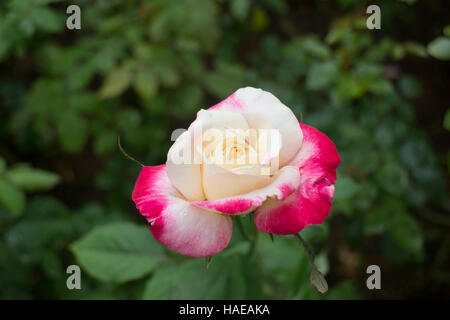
(182, 170)
(221, 119)
(317, 160)
(284, 184)
(263, 111)
(184, 228)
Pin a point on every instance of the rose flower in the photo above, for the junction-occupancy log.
(248, 154)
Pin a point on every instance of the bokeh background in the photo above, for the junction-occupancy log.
(142, 68)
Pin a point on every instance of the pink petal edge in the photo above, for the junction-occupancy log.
(317, 161)
(175, 223)
(284, 185)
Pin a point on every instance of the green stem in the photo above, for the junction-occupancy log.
(241, 229)
(246, 237)
(316, 278)
(253, 245)
(208, 263)
(126, 154)
(307, 248)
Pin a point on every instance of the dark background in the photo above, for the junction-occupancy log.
(141, 69)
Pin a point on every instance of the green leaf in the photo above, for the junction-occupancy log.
(240, 8)
(72, 131)
(398, 51)
(406, 233)
(2, 165)
(168, 75)
(189, 280)
(118, 252)
(146, 84)
(31, 179)
(105, 142)
(392, 177)
(410, 86)
(317, 279)
(46, 226)
(315, 233)
(316, 48)
(280, 260)
(376, 221)
(446, 30)
(350, 86)
(345, 188)
(321, 75)
(416, 49)
(380, 86)
(440, 48)
(117, 82)
(178, 281)
(12, 199)
(344, 290)
(447, 120)
(242, 247)
(47, 19)
(259, 19)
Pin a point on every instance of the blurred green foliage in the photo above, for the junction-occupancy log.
(141, 69)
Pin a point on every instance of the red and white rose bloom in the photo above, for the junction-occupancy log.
(247, 154)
